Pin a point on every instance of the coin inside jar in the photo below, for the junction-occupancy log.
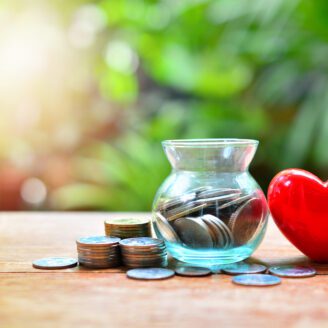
(193, 232)
(218, 237)
(184, 210)
(244, 222)
(165, 229)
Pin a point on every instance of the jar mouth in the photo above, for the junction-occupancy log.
(210, 143)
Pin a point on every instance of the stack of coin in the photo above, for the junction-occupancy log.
(208, 217)
(127, 228)
(99, 252)
(143, 252)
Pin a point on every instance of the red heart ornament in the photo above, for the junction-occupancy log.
(298, 201)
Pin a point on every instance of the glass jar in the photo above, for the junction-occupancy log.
(210, 210)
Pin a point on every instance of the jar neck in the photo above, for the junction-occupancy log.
(230, 158)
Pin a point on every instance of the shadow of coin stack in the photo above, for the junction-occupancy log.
(143, 252)
(127, 227)
(99, 252)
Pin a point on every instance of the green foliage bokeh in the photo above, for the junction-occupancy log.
(206, 69)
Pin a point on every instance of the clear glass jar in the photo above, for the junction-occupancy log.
(210, 210)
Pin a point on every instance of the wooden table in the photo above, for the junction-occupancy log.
(106, 298)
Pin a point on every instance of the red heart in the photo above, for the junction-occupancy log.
(298, 201)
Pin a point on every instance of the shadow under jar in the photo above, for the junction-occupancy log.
(210, 210)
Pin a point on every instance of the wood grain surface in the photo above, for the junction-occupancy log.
(106, 298)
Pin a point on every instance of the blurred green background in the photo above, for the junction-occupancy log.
(88, 89)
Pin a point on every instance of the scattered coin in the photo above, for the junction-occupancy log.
(189, 271)
(193, 232)
(53, 263)
(292, 271)
(260, 280)
(243, 268)
(150, 274)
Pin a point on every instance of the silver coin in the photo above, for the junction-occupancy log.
(194, 232)
(53, 263)
(141, 242)
(177, 201)
(260, 280)
(223, 228)
(245, 221)
(219, 238)
(98, 240)
(243, 268)
(199, 190)
(216, 200)
(217, 192)
(166, 230)
(292, 271)
(127, 222)
(185, 210)
(150, 274)
(189, 271)
(236, 201)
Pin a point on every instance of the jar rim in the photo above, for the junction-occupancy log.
(215, 142)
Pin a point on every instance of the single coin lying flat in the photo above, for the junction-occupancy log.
(54, 263)
(292, 271)
(150, 274)
(258, 280)
(189, 271)
(243, 268)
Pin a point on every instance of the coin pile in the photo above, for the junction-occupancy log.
(243, 273)
(99, 252)
(143, 252)
(150, 274)
(127, 228)
(210, 218)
